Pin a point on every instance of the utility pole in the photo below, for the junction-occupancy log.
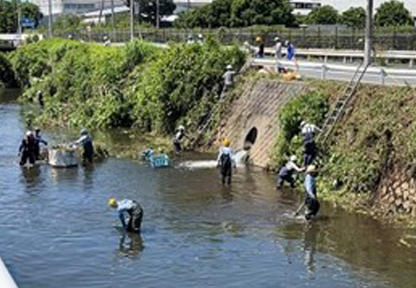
(369, 33)
(50, 22)
(19, 19)
(189, 5)
(112, 17)
(157, 14)
(131, 19)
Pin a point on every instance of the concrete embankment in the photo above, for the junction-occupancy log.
(371, 151)
(253, 120)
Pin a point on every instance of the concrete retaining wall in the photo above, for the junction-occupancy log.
(258, 109)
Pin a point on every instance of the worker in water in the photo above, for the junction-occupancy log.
(311, 199)
(260, 47)
(27, 149)
(226, 162)
(286, 173)
(290, 54)
(87, 145)
(180, 134)
(132, 209)
(228, 78)
(38, 140)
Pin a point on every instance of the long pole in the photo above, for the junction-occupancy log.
(50, 22)
(131, 19)
(112, 16)
(157, 14)
(368, 33)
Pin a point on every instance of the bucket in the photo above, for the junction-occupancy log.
(63, 157)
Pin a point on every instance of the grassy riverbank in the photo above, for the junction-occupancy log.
(137, 86)
(375, 139)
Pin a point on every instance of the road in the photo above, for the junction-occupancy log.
(344, 72)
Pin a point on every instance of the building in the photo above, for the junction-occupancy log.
(73, 6)
(304, 7)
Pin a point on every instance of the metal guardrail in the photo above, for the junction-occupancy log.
(6, 281)
(346, 55)
(374, 75)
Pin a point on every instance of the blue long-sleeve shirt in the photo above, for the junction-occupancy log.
(310, 186)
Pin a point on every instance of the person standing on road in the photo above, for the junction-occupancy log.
(226, 162)
(278, 48)
(290, 54)
(132, 209)
(260, 48)
(286, 173)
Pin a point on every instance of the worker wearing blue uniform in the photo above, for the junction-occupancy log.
(311, 200)
(132, 209)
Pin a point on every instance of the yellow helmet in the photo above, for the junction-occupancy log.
(112, 202)
(258, 39)
(226, 142)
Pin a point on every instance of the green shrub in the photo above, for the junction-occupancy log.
(311, 107)
(7, 75)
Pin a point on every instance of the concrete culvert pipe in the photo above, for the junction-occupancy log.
(6, 281)
(250, 138)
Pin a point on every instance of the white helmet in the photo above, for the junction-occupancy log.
(303, 123)
(181, 128)
(229, 67)
(29, 133)
(84, 131)
(293, 158)
(200, 36)
(276, 39)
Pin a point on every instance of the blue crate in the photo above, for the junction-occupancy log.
(160, 161)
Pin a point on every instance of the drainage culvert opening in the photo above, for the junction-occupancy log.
(250, 138)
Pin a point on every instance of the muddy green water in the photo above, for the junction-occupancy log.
(56, 231)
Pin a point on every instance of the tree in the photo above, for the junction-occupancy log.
(393, 13)
(148, 9)
(325, 15)
(238, 13)
(259, 12)
(216, 14)
(67, 21)
(8, 15)
(354, 17)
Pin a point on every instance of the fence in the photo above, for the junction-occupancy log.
(334, 38)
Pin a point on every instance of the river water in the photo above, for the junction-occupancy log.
(56, 229)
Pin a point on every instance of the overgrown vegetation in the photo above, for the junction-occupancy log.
(134, 86)
(311, 107)
(377, 133)
(7, 76)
